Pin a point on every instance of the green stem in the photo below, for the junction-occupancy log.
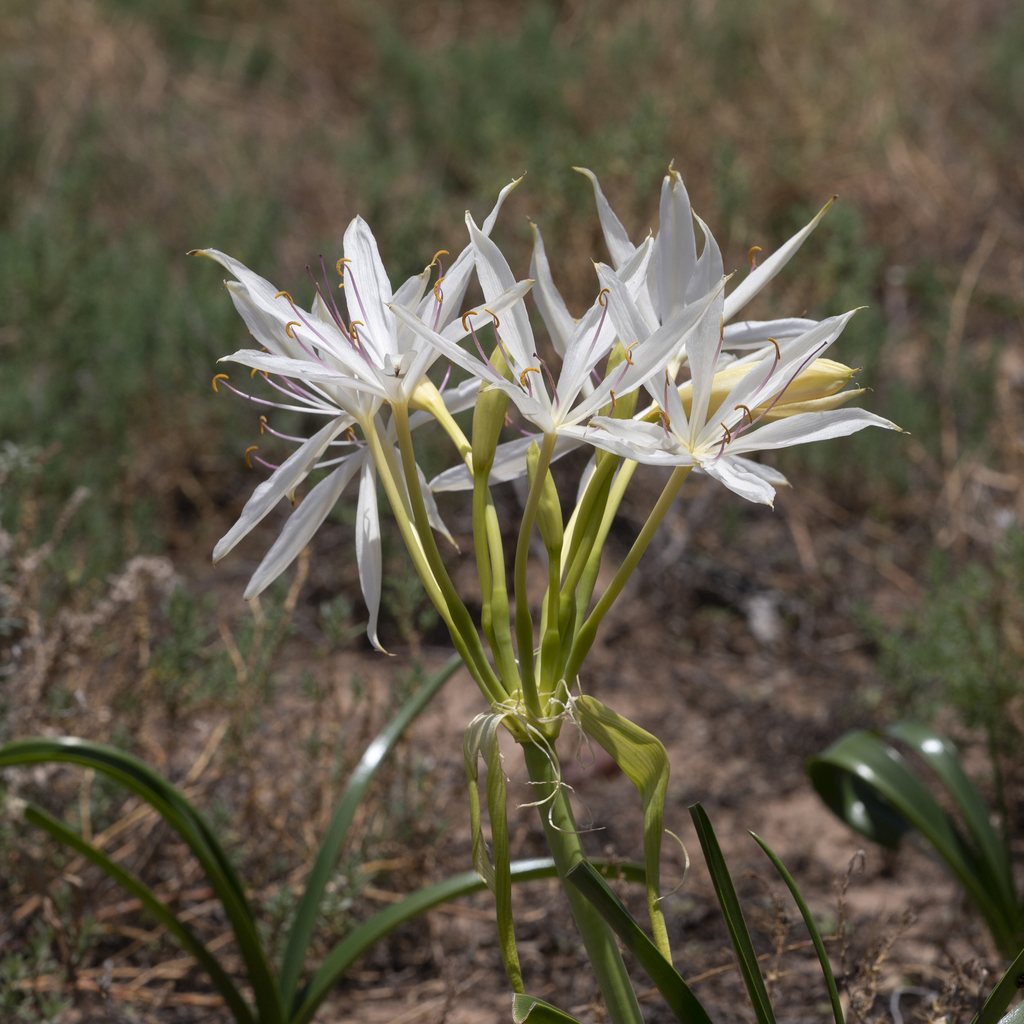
(500, 621)
(567, 851)
(524, 622)
(464, 624)
(588, 631)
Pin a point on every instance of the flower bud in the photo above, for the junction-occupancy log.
(549, 510)
(489, 418)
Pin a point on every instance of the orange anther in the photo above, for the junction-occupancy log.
(472, 312)
(337, 266)
(602, 301)
(497, 322)
(440, 252)
(288, 327)
(754, 249)
(220, 376)
(778, 354)
(522, 376)
(286, 295)
(750, 415)
(352, 328)
(251, 448)
(263, 423)
(629, 358)
(728, 433)
(437, 294)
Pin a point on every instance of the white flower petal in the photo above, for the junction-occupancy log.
(299, 369)
(746, 334)
(509, 464)
(677, 250)
(739, 479)
(368, 555)
(808, 426)
(553, 310)
(286, 478)
(367, 290)
(433, 516)
(769, 473)
(633, 440)
(588, 471)
(619, 246)
(709, 269)
(703, 348)
(759, 277)
(302, 524)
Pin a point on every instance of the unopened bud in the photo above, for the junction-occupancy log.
(549, 509)
(489, 418)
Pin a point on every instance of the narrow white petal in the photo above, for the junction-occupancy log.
(677, 250)
(411, 291)
(433, 516)
(588, 471)
(709, 269)
(746, 334)
(368, 556)
(509, 464)
(285, 479)
(299, 369)
(619, 246)
(703, 348)
(302, 524)
(463, 397)
(758, 278)
(553, 310)
(808, 426)
(769, 473)
(367, 290)
(629, 324)
(481, 317)
(739, 479)
(496, 278)
(618, 437)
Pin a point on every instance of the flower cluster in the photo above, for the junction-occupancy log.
(661, 325)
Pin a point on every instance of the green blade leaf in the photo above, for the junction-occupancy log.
(643, 759)
(805, 912)
(186, 820)
(357, 942)
(681, 1001)
(186, 937)
(482, 738)
(1001, 996)
(537, 1011)
(730, 904)
(992, 856)
(309, 904)
(877, 774)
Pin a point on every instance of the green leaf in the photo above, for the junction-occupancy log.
(643, 759)
(677, 994)
(886, 790)
(482, 738)
(1002, 995)
(730, 904)
(357, 942)
(309, 904)
(183, 817)
(186, 937)
(992, 856)
(819, 946)
(537, 1011)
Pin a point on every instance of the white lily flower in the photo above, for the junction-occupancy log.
(552, 405)
(677, 277)
(717, 442)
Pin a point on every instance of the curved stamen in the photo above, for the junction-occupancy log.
(314, 409)
(612, 393)
(219, 376)
(602, 301)
(497, 322)
(600, 323)
(438, 294)
(444, 382)
(286, 295)
(333, 306)
(269, 465)
(551, 380)
(251, 448)
(752, 256)
(778, 359)
(728, 433)
(628, 357)
(750, 415)
(476, 341)
(666, 423)
(337, 266)
(256, 370)
(524, 381)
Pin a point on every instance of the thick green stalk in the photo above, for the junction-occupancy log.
(524, 622)
(483, 557)
(567, 851)
(588, 631)
(464, 624)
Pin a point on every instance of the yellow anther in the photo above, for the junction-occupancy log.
(337, 266)
(602, 301)
(263, 423)
(728, 433)
(665, 421)
(778, 354)
(440, 252)
(437, 294)
(351, 435)
(750, 415)
(255, 370)
(251, 448)
(288, 327)
(752, 257)
(611, 391)
(352, 328)
(629, 358)
(220, 376)
(522, 376)
(497, 322)
(472, 312)
(286, 295)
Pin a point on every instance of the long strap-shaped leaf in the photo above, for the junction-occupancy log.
(186, 937)
(885, 789)
(183, 817)
(730, 904)
(643, 760)
(999, 998)
(805, 912)
(357, 942)
(537, 1011)
(309, 905)
(681, 1001)
(993, 858)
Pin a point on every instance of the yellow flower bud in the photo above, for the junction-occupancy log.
(489, 418)
(549, 510)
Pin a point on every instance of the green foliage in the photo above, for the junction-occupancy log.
(964, 648)
(20, 1005)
